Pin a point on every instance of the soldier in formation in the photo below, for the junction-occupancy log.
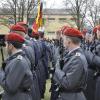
(73, 59)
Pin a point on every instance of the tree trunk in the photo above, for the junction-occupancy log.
(15, 6)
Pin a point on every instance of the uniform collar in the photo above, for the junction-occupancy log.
(15, 54)
(18, 51)
(73, 50)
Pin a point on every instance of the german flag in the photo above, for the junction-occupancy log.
(38, 21)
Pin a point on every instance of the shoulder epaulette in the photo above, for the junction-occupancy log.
(19, 57)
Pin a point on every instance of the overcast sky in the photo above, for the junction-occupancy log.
(54, 3)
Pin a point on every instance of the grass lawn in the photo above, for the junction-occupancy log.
(3, 29)
(47, 94)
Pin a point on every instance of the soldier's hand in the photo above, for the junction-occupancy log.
(61, 64)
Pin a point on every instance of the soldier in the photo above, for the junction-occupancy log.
(16, 77)
(56, 55)
(45, 52)
(94, 60)
(89, 45)
(30, 52)
(40, 69)
(23, 24)
(71, 77)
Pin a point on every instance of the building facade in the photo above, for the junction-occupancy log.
(53, 19)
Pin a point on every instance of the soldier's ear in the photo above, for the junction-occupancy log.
(11, 46)
(69, 41)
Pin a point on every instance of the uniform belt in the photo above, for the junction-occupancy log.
(71, 91)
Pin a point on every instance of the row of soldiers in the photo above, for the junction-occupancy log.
(24, 73)
(77, 69)
(73, 59)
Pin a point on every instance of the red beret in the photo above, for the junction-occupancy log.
(84, 31)
(64, 28)
(14, 37)
(35, 34)
(96, 28)
(73, 32)
(21, 23)
(18, 28)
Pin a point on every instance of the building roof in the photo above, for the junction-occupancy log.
(56, 11)
(46, 12)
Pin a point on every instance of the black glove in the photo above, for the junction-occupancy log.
(89, 56)
(96, 61)
(61, 64)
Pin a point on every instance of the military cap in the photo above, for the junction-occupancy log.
(35, 34)
(96, 28)
(21, 23)
(72, 32)
(18, 28)
(64, 28)
(41, 31)
(14, 37)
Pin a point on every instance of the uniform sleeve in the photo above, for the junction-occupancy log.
(72, 77)
(2, 76)
(30, 54)
(14, 77)
(98, 50)
(96, 61)
(92, 59)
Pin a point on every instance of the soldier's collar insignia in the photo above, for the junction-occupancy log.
(24, 45)
(19, 57)
(78, 54)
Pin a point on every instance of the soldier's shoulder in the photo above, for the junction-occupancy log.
(21, 60)
(19, 57)
(78, 54)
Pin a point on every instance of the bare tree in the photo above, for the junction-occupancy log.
(78, 11)
(94, 11)
(20, 8)
(12, 6)
(30, 5)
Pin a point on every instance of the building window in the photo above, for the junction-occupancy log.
(51, 32)
(51, 19)
(62, 20)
